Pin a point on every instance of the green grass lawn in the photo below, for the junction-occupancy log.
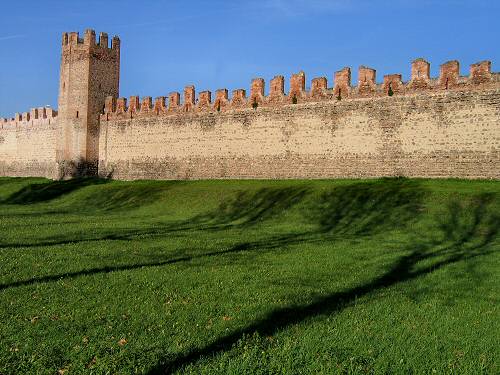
(249, 277)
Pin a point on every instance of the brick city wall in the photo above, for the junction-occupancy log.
(28, 144)
(443, 127)
(428, 127)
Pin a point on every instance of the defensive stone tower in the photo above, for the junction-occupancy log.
(90, 71)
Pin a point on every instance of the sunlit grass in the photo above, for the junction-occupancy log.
(382, 276)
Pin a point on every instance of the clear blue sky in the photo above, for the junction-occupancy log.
(215, 44)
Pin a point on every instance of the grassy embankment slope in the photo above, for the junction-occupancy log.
(395, 276)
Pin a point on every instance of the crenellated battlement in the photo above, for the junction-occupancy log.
(420, 83)
(35, 117)
(73, 39)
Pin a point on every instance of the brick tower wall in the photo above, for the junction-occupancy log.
(89, 73)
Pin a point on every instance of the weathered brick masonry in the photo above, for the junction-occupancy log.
(428, 127)
(28, 143)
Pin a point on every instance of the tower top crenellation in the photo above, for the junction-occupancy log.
(73, 39)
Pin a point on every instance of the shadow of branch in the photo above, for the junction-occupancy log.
(467, 232)
(245, 209)
(340, 212)
(47, 191)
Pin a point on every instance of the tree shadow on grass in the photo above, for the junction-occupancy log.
(467, 231)
(109, 198)
(126, 267)
(246, 209)
(126, 197)
(9, 180)
(367, 208)
(355, 209)
(47, 191)
(249, 208)
(399, 199)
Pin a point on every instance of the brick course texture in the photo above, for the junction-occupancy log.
(428, 127)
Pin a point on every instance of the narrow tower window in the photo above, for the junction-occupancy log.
(77, 114)
(255, 104)
(390, 92)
